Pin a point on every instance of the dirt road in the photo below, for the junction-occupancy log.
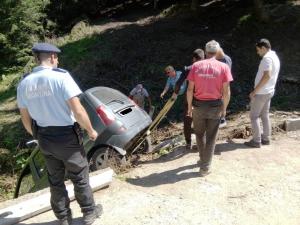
(247, 186)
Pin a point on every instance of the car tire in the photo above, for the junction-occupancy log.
(105, 157)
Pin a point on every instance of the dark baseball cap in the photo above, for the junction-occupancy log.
(45, 47)
(263, 43)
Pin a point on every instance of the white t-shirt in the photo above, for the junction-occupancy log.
(143, 92)
(270, 62)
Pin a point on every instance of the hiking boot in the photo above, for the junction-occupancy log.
(66, 221)
(222, 122)
(204, 172)
(90, 217)
(252, 144)
(264, 142)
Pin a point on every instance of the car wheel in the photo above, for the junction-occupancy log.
(106, 157)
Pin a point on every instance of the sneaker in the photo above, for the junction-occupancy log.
(222, 122)
(252, 144)
(264, 142)
(204, 172)
(90, 217)
(66, 221)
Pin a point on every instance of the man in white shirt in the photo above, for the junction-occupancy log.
(264, 89)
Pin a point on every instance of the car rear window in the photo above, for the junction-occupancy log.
(107, 95)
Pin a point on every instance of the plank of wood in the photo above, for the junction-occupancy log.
(33, 204)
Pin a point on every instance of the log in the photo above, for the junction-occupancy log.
(35, 203)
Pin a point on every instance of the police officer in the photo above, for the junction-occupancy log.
(48, 96)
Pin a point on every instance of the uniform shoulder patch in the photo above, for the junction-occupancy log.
(59, 70)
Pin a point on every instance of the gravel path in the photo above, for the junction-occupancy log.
(247, 186)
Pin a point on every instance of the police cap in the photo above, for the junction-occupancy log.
(45, 47)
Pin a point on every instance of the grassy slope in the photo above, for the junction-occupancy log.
(138, 52)
(123, 52)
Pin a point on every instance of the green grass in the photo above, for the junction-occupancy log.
(8, 86)
(121, 177)
(12, 134)
(77, 51)
(244, 19)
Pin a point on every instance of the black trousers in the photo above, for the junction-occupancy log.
(187, 124)
(65, 156)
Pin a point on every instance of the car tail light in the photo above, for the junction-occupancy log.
(106, 116)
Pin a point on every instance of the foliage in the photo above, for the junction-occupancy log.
(22, 23)
(66, 13)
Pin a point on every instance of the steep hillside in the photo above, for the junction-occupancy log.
(124, 52)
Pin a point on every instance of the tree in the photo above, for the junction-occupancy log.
(259, 11)
(22, 23)
(194, 5)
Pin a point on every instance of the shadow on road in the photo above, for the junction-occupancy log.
(166, 177)
(75, 221)
(229, 146)
(174, 154)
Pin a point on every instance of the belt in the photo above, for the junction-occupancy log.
(55, 128)
(213, 103)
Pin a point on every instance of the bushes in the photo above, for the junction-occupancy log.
(22, 23)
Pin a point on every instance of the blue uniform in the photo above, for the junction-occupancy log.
(171, 82)
(44, 93)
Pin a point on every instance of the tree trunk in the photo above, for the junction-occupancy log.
(194, 5)
(155, 4)
(259, 11)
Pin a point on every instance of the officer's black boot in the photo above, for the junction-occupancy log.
(90, 217)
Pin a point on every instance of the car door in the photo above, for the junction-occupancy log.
(33, 176)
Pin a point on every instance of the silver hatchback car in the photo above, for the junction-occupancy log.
(119, 123)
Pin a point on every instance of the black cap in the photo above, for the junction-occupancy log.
(263, 43)
(45, 47)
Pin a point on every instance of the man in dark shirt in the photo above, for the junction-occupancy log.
(222, 57)
(198, 55)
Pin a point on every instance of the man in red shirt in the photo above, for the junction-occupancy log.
(208, 95)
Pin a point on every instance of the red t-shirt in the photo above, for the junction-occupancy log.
(209, 76)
